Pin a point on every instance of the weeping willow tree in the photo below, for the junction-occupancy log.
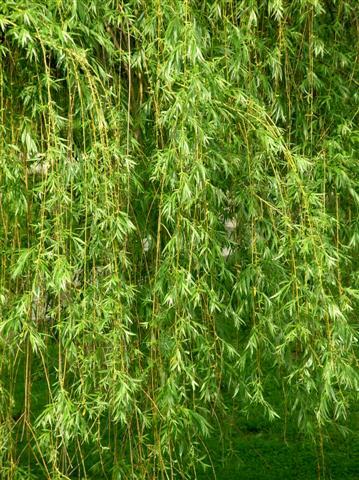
(179, 226)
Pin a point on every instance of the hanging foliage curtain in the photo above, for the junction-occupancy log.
(179, 226)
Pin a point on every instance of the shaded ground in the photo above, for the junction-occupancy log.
(254, 451)
(249, 448)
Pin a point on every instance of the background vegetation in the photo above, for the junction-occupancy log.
(179, 238)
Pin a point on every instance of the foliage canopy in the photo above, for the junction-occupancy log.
(179, 226)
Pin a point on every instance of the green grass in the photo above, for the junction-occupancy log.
(254, 449)
(248, 447)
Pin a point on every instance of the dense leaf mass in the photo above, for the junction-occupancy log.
(179, 227)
